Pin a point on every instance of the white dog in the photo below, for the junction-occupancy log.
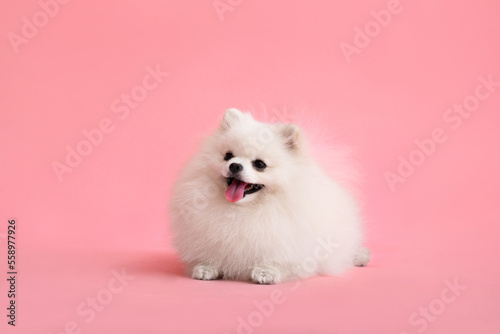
(253, 204)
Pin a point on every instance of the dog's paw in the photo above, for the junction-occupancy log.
(205, 272)
(265, 275)
(362, 257)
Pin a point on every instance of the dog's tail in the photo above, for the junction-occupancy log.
(337, 160)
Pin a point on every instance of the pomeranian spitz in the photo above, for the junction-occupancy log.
(253, 204)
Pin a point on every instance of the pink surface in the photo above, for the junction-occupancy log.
(391, 89)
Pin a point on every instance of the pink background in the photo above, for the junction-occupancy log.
(109, 212)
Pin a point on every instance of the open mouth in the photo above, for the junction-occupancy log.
(238, 189)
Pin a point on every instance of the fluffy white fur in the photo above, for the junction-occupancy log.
(300, 224)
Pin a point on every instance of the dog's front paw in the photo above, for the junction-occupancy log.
(265, 275)
(205, 272)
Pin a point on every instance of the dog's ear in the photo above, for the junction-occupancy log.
(292, 136)
(231, 117)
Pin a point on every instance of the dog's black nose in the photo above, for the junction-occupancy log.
(235, 168)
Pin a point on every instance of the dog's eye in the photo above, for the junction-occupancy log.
(259, 164)
(228, 156)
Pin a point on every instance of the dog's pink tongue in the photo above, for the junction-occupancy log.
(235, 190)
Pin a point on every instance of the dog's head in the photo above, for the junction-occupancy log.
(254, 158)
